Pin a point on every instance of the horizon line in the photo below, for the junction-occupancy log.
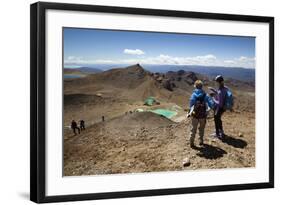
(112, 64)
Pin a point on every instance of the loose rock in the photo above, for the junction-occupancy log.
(186, 162)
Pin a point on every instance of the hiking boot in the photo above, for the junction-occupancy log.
(201, 143)
(221, 136)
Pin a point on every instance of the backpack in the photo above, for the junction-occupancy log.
(228, 103)
(199, 111)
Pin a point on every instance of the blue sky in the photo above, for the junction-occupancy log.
(93, 46)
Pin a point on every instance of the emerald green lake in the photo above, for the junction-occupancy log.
(166, 113)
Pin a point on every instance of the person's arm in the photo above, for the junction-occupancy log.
(222, 95)
(219, 99)
(192, 100)
(209, 101)
(216, 101)
(216, 98)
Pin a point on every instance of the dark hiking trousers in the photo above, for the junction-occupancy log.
(218, 121)
(74, 130)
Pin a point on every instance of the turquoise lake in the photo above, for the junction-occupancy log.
(166, 113)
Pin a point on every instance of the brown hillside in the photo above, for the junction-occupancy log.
(128, 141)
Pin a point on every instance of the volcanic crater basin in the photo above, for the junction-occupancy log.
(118, 139)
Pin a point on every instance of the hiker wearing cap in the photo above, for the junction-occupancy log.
(199, 103)
(219, 100)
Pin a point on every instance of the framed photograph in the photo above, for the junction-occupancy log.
(129, 102)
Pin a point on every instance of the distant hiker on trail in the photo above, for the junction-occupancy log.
(199, 103)
(223, 101)
(82, 125)
(74, 127)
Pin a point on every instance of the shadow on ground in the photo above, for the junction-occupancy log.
(234, 142)
(210, 152)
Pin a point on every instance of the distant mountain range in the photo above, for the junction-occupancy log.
(137, 83)
(242, 74)
(237, 73)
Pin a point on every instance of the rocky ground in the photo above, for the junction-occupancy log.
(130, 142)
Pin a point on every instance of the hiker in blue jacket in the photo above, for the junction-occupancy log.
(199, 103)
(219, 109)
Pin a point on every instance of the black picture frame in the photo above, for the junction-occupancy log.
(38, 103)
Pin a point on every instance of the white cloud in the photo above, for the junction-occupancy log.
(133, 51)
(162, 59)
(171, 60)
(71, 57)
(74, 60)
(243, 58)
(242, 61)
(229, 61)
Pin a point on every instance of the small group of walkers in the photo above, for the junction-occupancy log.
(201, 102)
(74, 126)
